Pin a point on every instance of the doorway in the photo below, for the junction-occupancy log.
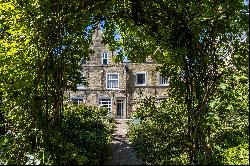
(120, 108)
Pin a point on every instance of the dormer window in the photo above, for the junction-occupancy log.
(105, 58)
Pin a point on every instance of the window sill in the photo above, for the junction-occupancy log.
(163, 84)
(140, 84)
(112, 88)
(81, 88)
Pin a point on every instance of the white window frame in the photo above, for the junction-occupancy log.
(136, 81)
(120, 101)
(105, 57)
(109, 105)
(107, 81)
(160, 81)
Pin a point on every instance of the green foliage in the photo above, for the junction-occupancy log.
(238, 155)
(89, 130)
(84, 137)
(41, 44)
(196, 42)
(159, 134)
(160, 137)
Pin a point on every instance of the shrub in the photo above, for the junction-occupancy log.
(83, 138)
(158, 132)
(232, 147)
(88, 129)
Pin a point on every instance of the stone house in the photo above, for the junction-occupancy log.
(117, 86)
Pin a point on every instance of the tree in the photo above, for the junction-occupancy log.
(41, 43)
(193, 41)
(186, 37)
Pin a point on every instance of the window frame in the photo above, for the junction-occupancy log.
(107, 80)
(109, 105)
(106, 58)
(160, 76)
(136, 80)
(120, 101)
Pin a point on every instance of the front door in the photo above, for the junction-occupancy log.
(120, 109)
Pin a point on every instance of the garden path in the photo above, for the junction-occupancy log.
(121, 151)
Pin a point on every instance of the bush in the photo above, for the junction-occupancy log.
(88, 129)
(158, 133)
(83, 138)
(232, 147)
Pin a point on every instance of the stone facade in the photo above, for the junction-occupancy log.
(117, 86)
